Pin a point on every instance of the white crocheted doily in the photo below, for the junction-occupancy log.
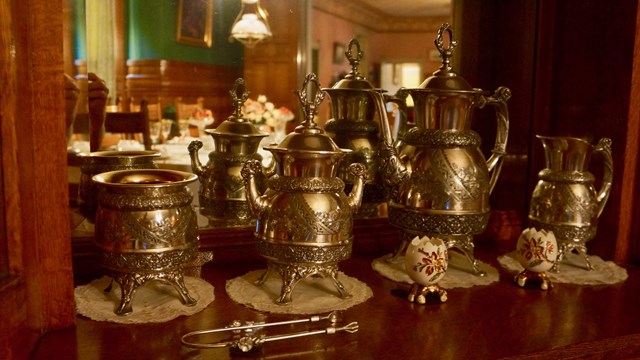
(152, 302)
(572, 270)
(459, 272)
(312, 295)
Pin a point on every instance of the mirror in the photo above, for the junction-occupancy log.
(145, 52)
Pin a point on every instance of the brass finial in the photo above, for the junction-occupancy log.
(445, 52)
(239, 95)
(310, 97)
(354, 60)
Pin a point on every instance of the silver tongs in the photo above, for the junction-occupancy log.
(252, 336)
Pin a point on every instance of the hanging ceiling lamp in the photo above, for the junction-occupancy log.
(251, 25)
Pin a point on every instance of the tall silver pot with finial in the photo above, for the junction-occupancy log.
(440, 179)
(304, 218)
(354, 126)
(236, 140)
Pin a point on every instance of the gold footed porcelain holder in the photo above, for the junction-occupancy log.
(537, 252)
(426, 261)
(291, 274)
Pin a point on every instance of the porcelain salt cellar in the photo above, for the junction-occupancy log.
(426, 262)
(537, 252)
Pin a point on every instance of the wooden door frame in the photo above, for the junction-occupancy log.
(38, 295)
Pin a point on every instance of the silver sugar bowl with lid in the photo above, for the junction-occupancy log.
(304, 218)
(236, 140)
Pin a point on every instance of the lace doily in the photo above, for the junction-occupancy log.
(572, 270)
(153, 302)
(312, 295)
(459, 272)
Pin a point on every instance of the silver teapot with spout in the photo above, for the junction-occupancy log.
(354, 126)
(565, 200)
(439, 178)
(305, 219)
(236, 141)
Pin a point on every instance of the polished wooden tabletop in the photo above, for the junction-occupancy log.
(482, 322)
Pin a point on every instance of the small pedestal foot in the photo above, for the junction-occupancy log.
(291, 274)
(540, 278)
(418, 293)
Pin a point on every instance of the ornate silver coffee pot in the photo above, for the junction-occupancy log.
(354, 127)
(439, 178)
(565, 200)
(236, 141)
(305, 219)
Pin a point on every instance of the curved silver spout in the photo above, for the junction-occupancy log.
(392, 169)
(359, 171)
(196, 166)
(257, 202)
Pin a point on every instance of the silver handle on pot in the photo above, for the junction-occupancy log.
(499, 101)
(604, 147)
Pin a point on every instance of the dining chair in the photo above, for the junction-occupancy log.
(186, 107)
(130, 123)
(154, 105)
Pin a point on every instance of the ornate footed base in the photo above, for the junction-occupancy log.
(129, 283)
(526, 275)
(418, 293)
(291, 274)
(463, 243)
(567, 248)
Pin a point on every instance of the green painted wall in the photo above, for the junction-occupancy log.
(152, 33)
(79, 24)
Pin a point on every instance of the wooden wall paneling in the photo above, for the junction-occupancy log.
(39, 295)
(496, 47)
(628, 239)
(561, 85)
(172, 79)
(270, 68)
(589, 91)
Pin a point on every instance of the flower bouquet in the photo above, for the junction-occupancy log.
(267, 117)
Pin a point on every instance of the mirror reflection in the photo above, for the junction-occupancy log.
(175, 60)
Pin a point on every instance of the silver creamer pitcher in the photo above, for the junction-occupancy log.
(565, 200)
(439, 178)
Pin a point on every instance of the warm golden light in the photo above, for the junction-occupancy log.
(251, 25)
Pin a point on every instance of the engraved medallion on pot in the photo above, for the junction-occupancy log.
(565, 200)
(304, 218)
(354, 126)
(537, 252)
(145, 229)
(426, 262)
(103, 161)
(236, 141)
(439, 177)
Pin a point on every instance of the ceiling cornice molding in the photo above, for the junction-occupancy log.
(373, 19)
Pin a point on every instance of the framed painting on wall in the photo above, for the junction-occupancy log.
(195, 18)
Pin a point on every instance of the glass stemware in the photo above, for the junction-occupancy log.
(166, 129)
